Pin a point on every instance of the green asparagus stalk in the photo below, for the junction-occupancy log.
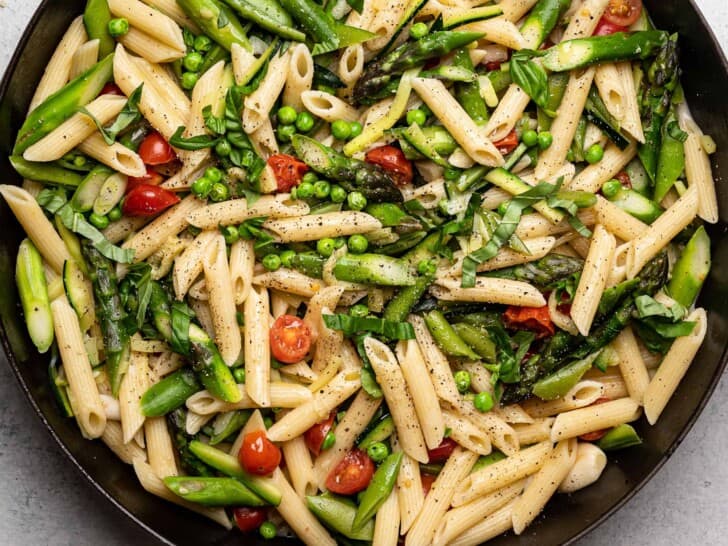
(383, 430)
(378, 490)
(111, 314)
(269, 15)
(671, 159)
(446, 336)
(33, 291)
(436, 136)
(400, 305)
(556, 89)
(632, 202)
(660, 80)
(170, 393)
(620, 46)
(96, 19)
(541, 20)
(354, 175)
(619, 437)
(212, 491)
(189, 462)
(409, 55)
(62, 104)
(691, 269)
(309, 263)
(560, 382)
(226, 424)
(338, 513)
(217, 20)
(48, 173)
(478, 340)
(544, 273)
(374, 269)
(468, 93)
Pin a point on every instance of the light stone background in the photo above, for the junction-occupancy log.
(44, 501)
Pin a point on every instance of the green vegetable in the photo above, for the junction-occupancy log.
(374, 269)
(305, 190)
(58, 386)
(201, 187)
(338, 514)
(85, 194)
(530, 138)
(620, 46)
(189, 80)
(477, 339)
(287, 115)
(671, 159)
(271, 262)
(309, 263)
(226, 424)
(357, 244)
(329, 441)
(359, 310)
(619, 437)
(378, 451)
(461, 17)
(383, 430)
(304, 122)
(48, 173)
(544, 273)
(341, 129)
(219, 192)
(416, 116)
(268, 530)
(378, 490)
(544, 140)
(632, 202)
(351, 325)
(217, 21)
(98, 221)
(96, 19)
(356, 200)
(400, 305)
(202, 43)
(483, 402)
(597, 112)
(268, 14)
(209, 491)
(691, 269)
(559, 383)
(594, 154)
(446, 336)
(462, 381)
(468, 93)
(169, 393)
(285, 132)
(33, 292)
(418, 30)
(541, 20)
(193, 61)
(326, 246)
(118, 27)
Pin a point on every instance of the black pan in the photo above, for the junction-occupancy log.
(567, 517)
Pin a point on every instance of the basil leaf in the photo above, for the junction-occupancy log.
(353, 325)
(222, 19)
(181, 316)
(76, 222)
(531, 77)
(669, 330)
(129, 114)
(648, 306)
(140, 276)
(579, 227)
(356, 5)
(673, 129)
(52, 199)
(214, 124)
(199, 142)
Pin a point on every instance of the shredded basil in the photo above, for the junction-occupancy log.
(214, 124)
(129, 115)
(140, 276)
(199, 142)
(356, 5)
(531, 77)
(181, 316)
(353, 325)
(368, 379)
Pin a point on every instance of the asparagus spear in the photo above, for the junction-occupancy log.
(409, 55)
(269, 15)
(218, 21)
(111, 314)
(170, 393)
(400, 305)
(374, 269)
(691, 269)
(338, 513)
(544, 273)
(620, 46)
(354, 175)
(541, 20)
(630, 201)
(468, 93)
(659, 82)
(49, 173)
(33, 292)
(671, 158)
(211, 491)
(189, 462)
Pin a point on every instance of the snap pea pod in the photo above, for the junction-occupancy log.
(269, 15)
(170, 393)
(671, 159)
(210, 491)
(378, 490)
(691, 269)
(557, 384)
(338, 513)
(33, 292)
(446, 337)
(96, 19)
(48, 173)
(468, 93)
(620, 46)
(541, 20)
(478, 340)
(216, 20)
(402, 303)
(374, 269)
(619, 437)
(632, 202)
(62, 104)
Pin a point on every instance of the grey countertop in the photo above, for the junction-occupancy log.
(45, 501)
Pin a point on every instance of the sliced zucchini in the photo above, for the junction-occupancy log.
(458, 18)
(409, 14)
(72, 243)
(80, 294)
(87, 191)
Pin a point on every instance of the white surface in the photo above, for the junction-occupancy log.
(44, 501)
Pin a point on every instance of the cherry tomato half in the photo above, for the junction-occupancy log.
(393, 161)
(288, 170)
(624, 178)
(112, 89)
(290, 339)
(596, 435)
(315, 436)
(536, 319)
(148, 200)
(442, 452)
(258, 454)
(508, 143)
(623, 12)
(249, 519)
(427, 481)
(605, 28)
(352, 474)
(152, 178)
(154, 150)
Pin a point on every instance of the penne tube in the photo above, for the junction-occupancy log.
(259, 103)
(577, 422)
(609, 84)
(328, 107)
(617, 221)
(283, 395)
(242, 61)
(466, 434)
(189, 265)
(133, 385)
(236, 211)
(494, 525)
(584, 21)
(631, 365)
(534, 433)
(148, 20)
(409, 488)
(632, 121)
(588, 467)
(584, 393)
(117, 156)
(84, 58)
(172, 9)
(113, 438)
(490, 290)
(318, 226)
(289, 281)
(499, 31)
(242, 265)
(257, 346)
(438, 367)
(149, 47)
(160, 451)
(299, 466)
(594, 176)
(386, 524)
(697, 167)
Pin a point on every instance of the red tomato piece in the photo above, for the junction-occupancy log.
(352, 474)
(154, 150)
(290, 339)
(605, 28)
(536, 319)
(152, 178)
(508, 143)
(112, 89)
(249, 519)
(316, 435)
(393, 161)
(288, 170)
(493, 65)
(623, 12)
(596, 435)
(442, 452)
(148, 200)
(624, 178)
(427, 481)
(258, 454)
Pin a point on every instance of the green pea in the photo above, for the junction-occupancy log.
(356, 129)
(426, 267)
(223, 148)
(271, 262)
(594, 154)
(570, 156)
(193, 61)
(79, 161)
(202, 43)
(98, 221)
(285, 132)
(118, 27)
(378, 451)
(545, 139)
(326, 247)
(483, 402)
(304, 122)
(231, 234)
(611, 188)
(268, 530)
(115, 214)
(358, 244)
(239, 374)
(529, 138)
(287, 115)
(287, 257)
(462, 381)
(189, 80)
(359, 310)
(268, 421)
(419, 30)
(339, 242)
(219, 192)
(341, 129)
(202, 186)
(329, 441)
(305, 190)
(416, 116)
(214, 174)
(321, 189)
(356, 200)
(451, 173)
(310, 177)
(337, 194)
